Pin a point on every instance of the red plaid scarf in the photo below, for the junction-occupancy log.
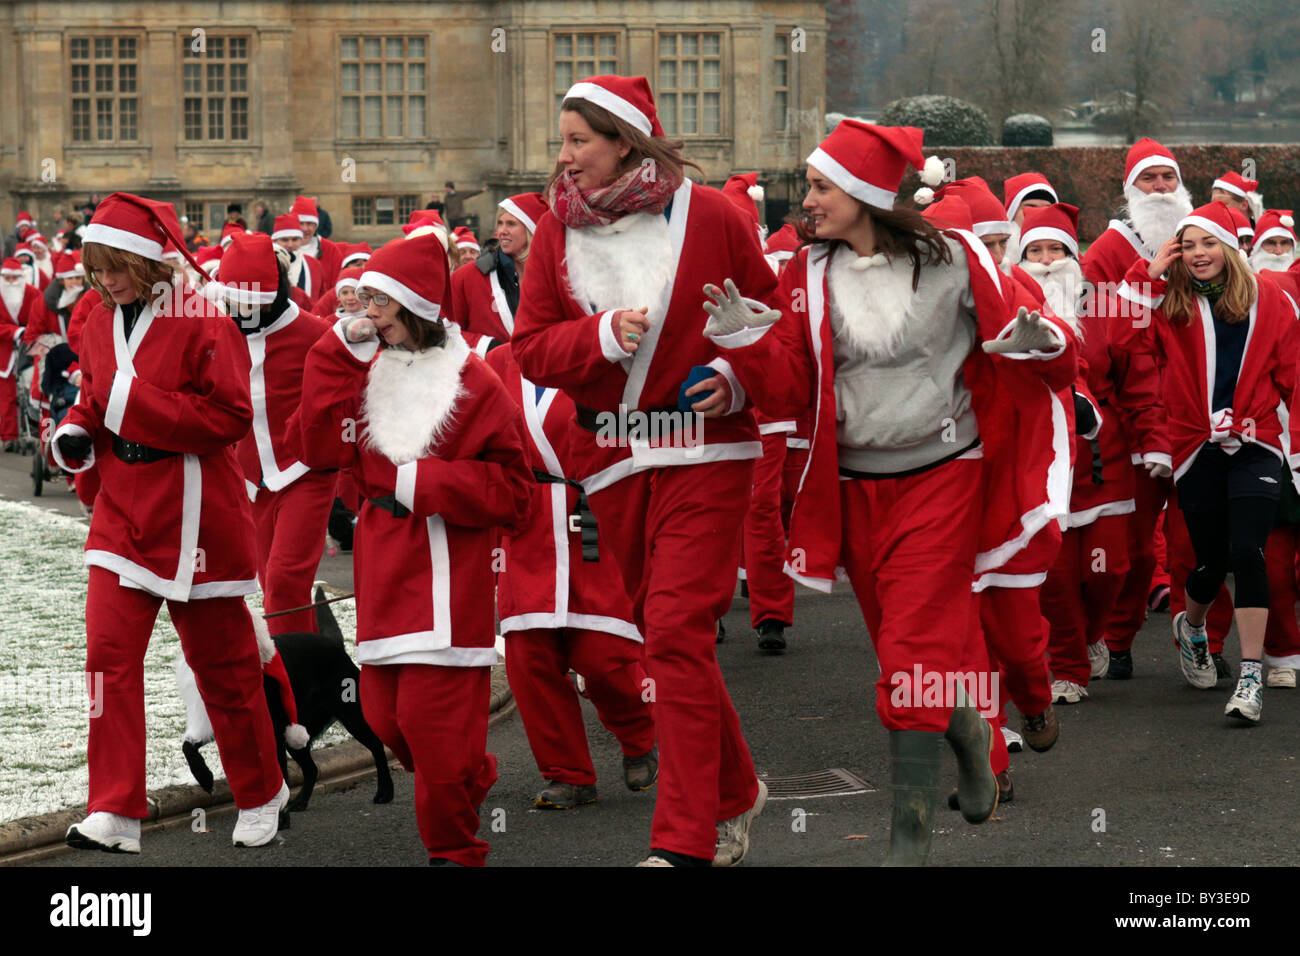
(646, 188)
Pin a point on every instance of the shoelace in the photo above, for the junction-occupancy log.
(1036, 723)
(1201, 651)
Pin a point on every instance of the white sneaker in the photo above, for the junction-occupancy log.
(258, 826)
(733, 834)
(1067, 692)
(1015, 743)
(654, 861)
(1099, 658)
(105, 831)
(1280, 677)
(1246, 701)
(1194, 655)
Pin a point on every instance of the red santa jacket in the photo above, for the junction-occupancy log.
(1108, 258)
(180, 527)
(790, 367)
(561, 342)
(479, 303)
(270, 453)
(330, 258)
(1265, 381)
(435, 433)
(13, 326)
(315, 280)
(545, 583)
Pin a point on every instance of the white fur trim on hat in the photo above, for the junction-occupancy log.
(1031, 188)
(432, 229)
(1229, 188)
(1158, 160)
(1052, 234)
(859, 189)
(244, 294)
(123, 239)
(296, 736)
(1210, 226)
(421, 306)
(509, 206)
(349, 282)
(993, 228)
(594, 93)
(287, 233)
(1275, 232)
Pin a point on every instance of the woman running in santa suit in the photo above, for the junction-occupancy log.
(891, 492)
(291, 502)
(610, 312)
(433, 441)
(163, 400)
(1229, 344)
(485, 298)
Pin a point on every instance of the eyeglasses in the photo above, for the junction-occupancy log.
(366, 297)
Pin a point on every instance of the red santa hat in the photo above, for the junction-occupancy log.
(1233, 182)
(249, 270)
(356, 252)
(987, 216)
(34, 238)
(12, 268)
(419, 217)
(1018, 188)
(287, 226)
(67, 265)
(465, 239)
(1058, 222)
(627, 97)
(1216, 219)
(295, 735)
(950, 212)
(348, 279)
(745, 194)
(526, 207)
(413, 271)
(304, 207)
(229, 231)
(868, 161)
(170, 251)
(1245, 231)
(1275, 224)
(23, 249)
(137, 225)
(25, 219)
(783, 243)
(1144, 154)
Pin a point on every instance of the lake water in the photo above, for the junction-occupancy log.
(1244, 132)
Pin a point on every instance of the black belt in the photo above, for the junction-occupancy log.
(586, 520)
(589, 419)
(390, 504)
(876, 475)
(134, 453)
(1096, 461)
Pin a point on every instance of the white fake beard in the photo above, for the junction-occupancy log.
(410, 399)
(69, 296)
(1013, 250)
(625, 265)
(871, 296)
(1062, 283)
(11, 293)
(310, 247)
(46, 266)
(1261, 260)
(1155, 216)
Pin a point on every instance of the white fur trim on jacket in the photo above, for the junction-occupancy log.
(411, 397)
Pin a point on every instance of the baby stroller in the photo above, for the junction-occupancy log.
(59, 396)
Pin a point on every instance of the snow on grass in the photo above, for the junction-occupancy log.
(44, 705)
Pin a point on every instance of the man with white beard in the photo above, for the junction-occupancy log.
(20, 303)
(1155, 200)
(1274, 254)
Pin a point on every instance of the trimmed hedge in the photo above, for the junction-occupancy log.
(945, 119)
(1026, 129)
(1092, 177)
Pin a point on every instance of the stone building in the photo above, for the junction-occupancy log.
(373, 106)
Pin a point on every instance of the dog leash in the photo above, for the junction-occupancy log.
(307, 607)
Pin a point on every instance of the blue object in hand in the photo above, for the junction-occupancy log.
(698, 374)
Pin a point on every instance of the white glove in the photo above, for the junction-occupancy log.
(1157, 470)
(1030, 334)
(728, 313)
(359, 329)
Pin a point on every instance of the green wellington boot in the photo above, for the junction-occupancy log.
(971, 738)
(914, 769)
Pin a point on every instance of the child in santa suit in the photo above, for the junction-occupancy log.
(891, 494)
(434, 443)
(291, 502)
(162, 403)
(1094, 559)
(563, 607)
(486, 297)
(305, 272)
(1230, 345)
(610, 312)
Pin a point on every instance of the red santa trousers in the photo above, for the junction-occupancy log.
(771, 590)
(1017, 636)
(1160, 577)
(675, 533)
(434, 720)
(537, 664)
(1282, 635)
(1079, 592)
(290, 537)
(9, 408)
(908, 548)
(1182, 561)
(1130, 610)
(217, 638)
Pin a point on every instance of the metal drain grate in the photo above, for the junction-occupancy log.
(835, 782)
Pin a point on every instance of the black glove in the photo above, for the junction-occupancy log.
(1085, 416)
(74, 447)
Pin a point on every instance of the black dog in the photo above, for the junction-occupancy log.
(326, 687)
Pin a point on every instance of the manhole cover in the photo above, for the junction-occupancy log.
(821, 783)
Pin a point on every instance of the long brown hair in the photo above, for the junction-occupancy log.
(661, 151)
(900, 231)
(144, 273)
(1233, 305)
(424, 334)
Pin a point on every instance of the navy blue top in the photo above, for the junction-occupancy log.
(1229, 347)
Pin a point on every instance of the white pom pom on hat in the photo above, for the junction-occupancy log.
(923, 196)
(1288, 221)
(756, 193)
(932, 174)
(296, 736)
